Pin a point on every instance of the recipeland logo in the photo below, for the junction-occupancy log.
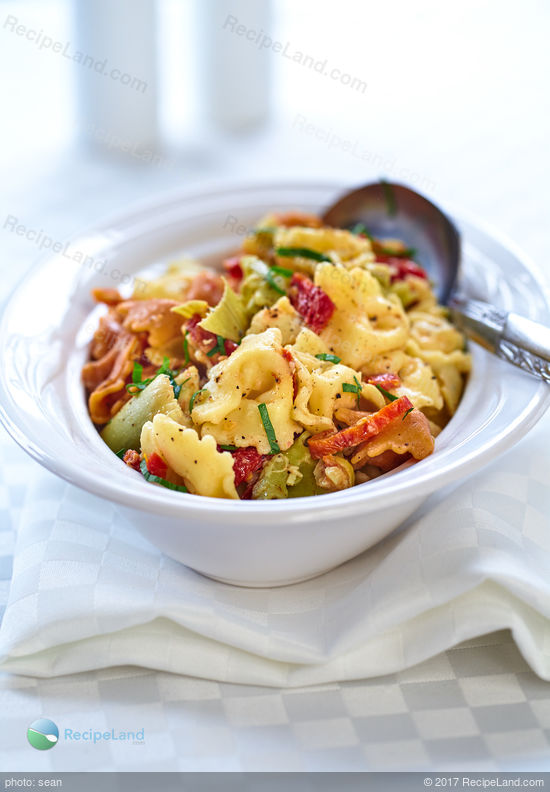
(43, 734)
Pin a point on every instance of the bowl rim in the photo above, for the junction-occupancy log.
(358, 499)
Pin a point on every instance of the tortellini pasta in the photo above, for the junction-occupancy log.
(196, 460)
(365, 323)
(320, 360)
(256, 373)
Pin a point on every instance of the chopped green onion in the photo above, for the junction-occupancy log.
(120, 454)
(389, 195)
(220, 346)
(138, 384)
(302, 252)
(356, 388)
(193, 397)
(408, 411)
(360, 228)
(186, 348)
(329, 358)
(269, 430)
(386, 393)
(137, 373)
(228, 448)
(286, 273)
(158, 480)
(408, 253)
(275, 286)
(177, 388)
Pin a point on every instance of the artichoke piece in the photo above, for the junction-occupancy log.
(256, 292)
(228, 318)
(299, 457)
(272, 482)
(192, 307)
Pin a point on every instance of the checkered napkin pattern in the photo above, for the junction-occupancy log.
(88, 592)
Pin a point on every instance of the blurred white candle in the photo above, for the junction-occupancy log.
(117, 84)
(234, 70)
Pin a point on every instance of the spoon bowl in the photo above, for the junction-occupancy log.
(391, 210)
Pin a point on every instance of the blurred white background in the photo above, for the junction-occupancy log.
(452, 98)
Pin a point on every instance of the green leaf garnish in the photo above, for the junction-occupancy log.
(220, 347)
(120, 454)
(389, 195)
(158, 480)
(138, 384)
(228, 448)
(286, 273)
(408, 411)
(360, 228)
(329, 358)
(269, 430)
(356, 388)
(386, 393)
(193, 397)
(186, 348)
(408, 253)
(302, 253)
(270, 279)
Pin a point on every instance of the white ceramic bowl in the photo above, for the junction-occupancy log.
(44, 335)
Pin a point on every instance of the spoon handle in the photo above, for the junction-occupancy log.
(512, 337)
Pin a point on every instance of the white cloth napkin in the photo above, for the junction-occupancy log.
(89, 592)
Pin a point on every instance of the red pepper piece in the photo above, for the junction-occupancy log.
(387, 380)
(400, 267)
(233, 267)
(312, 303)
(206, 340)
(157, 466)
(365, 429)
(245, 462)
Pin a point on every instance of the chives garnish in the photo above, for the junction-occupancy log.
(356, 388)
(408, 411)
(286, 273)
(139, 384)
(386, 393)
(275, 286)
(193, 397)
(158, 480)
(302, 252)
(269, 430)
(220, 346)
(360, 228)
(408, 253)
(228, 448)
(186, 348)
(329, 358)
(389, 195)
(120, 454)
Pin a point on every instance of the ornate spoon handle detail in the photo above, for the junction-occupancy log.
(512, 337)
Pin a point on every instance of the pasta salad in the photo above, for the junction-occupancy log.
(319, 360)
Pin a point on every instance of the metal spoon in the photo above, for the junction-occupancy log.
(393, 210)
